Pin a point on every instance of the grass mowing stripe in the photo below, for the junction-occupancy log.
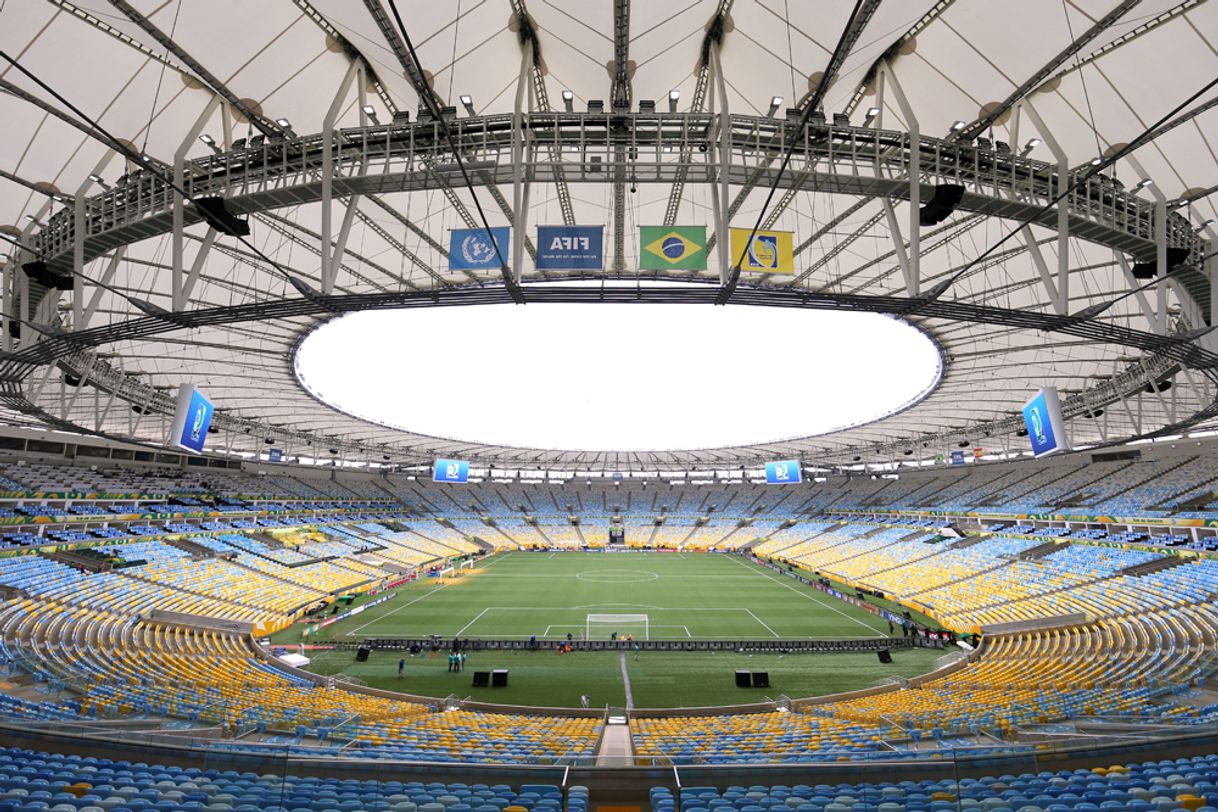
(809, 596)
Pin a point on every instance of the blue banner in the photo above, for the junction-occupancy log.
(570, 248)
(957, 458)
(783, 472)
(450, 471)
(470, 249)
(275, 455)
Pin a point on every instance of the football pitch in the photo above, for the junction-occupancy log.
(684, 596)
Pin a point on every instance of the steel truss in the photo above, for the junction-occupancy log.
(73, 351)
(281, 171)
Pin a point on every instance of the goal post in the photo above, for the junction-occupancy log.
(602, 626)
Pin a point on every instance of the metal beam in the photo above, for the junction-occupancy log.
(261, 123)
(1034, 81)
(863, 11)
(528, 34)
(620, 95)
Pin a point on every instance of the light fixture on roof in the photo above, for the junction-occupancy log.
(872, 112)
(568, 100)
(283, 122)
(775, 103)
(33, 219)
(467, 102)
(1032, 144)
(1206, 224)
(4, 257)
(99, 180)
(1096, 161)
(207, 139)
(1143, 183)
(369, 111)
(674, 96)
(958, 125)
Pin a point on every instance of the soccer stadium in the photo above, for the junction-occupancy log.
(608, 405)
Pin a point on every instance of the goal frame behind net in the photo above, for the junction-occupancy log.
(621, 623)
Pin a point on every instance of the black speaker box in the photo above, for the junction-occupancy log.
(885, 655)
(482, 679)
(761, 679)
(499, 678)
(361, 654)
(744, 679)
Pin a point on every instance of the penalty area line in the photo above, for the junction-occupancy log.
(810, 597)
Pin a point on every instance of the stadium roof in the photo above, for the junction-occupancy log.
(1060, 83)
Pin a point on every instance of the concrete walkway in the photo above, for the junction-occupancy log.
(616, 750)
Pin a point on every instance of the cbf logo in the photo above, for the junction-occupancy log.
(471, 249)
(570, 248)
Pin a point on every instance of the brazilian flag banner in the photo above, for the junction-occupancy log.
(672, 248)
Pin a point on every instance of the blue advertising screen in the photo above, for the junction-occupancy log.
(1041, 421)
(784, 472)
(275, 455)
(450, 471)
(198, 418)
(957, 458)
(570, 248)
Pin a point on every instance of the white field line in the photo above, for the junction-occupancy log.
(400, 608)
(461, 631)
(807, 595)
(762, 622)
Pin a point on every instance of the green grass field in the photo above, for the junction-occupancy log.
(685, 596)
(657, 679)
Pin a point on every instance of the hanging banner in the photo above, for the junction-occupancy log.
(470, 249)
(672, 248)
(767, 252)
(570, 248)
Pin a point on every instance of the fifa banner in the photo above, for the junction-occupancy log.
(191, 420)
(783, 472)
(570, 248)
(767, 252)
(1042, 415)
(672, 248)
(450, 471)
(470, 249)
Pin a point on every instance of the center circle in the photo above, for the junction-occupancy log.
(616, 576)
(617, 377)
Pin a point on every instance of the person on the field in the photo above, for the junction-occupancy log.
(401, 667)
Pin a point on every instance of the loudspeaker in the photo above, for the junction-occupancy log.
(217, 215)
(38, 271)
(744, 679)
(941, 204)
(761, 679)
(885, 655)
(482, 679)
(1150, 268)
(361, 654)
(499, 678)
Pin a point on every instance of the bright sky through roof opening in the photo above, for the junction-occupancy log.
(620, 377)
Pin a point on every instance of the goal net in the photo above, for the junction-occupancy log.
(602, 627)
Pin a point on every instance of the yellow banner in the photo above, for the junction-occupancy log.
(769, 252)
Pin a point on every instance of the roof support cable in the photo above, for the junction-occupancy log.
(428, 99)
